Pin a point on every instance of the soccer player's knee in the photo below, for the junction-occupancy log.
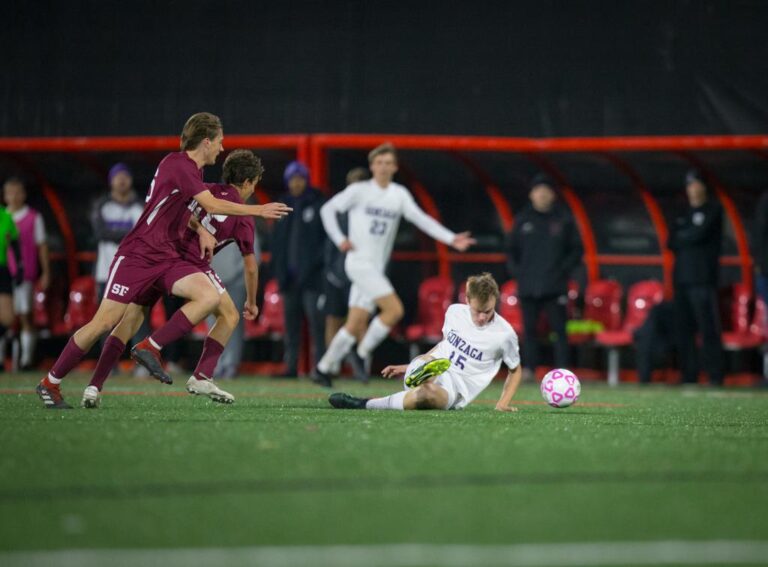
(396, 311)
(231, 317)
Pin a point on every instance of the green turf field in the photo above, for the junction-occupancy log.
(280, 471)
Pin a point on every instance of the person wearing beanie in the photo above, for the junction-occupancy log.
(544, 248)
(112, 217)
(298, 246)
(696, 239)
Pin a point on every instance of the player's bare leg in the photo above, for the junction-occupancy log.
(111, 351)
(203, 300)
(201, 382)
(107, 316)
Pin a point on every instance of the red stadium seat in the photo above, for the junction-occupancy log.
(435, 295)
(48, 311)
(271, 320)
(157, 315)
(82, 302)
(602, 304)
(509, 306)
(745, 333)
(641, 297)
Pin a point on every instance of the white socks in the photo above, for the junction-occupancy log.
(336, 351)
(27, 347)
(393, 402)
(376, 333)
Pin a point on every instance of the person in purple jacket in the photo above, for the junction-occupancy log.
(149, 257)
(242, 172)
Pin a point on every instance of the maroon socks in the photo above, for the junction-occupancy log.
(110, 354)
(68, 359)
(176, 327)
(211, 352)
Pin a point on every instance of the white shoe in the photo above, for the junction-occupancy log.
(91, 397)
(209, 388)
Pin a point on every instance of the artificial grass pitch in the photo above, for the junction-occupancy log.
(157, 468)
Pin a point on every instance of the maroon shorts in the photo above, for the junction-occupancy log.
(133, 280)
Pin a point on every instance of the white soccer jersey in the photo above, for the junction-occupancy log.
(374, 215)
(476, 353)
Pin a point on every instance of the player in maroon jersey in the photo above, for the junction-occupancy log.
(242, 172)
(149, 256)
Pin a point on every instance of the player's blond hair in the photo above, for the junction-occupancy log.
(199, 127)
(385, 148)
(482, 287)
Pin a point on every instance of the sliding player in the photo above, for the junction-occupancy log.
(241, 173)
(375, 207)
(149, 257)
(476, 340)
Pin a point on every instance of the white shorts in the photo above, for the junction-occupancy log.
(22, 298)
(368, 285)
(456, 399)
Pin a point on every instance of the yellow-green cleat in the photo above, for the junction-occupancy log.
(426, 371)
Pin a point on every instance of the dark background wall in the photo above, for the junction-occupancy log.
(532, 68)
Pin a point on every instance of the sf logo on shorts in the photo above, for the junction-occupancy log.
(120, 290)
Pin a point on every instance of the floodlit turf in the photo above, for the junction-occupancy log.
(157, 468)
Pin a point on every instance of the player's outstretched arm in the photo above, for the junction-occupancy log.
(462, 241)
(216, 206)
(510, 388)
(394, 371)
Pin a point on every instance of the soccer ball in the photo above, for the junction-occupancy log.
(560, 388)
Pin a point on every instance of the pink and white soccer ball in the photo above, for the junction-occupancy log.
(560, 388)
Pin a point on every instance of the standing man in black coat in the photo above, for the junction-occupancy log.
(545, 247)
(696, 241)
(297, 262)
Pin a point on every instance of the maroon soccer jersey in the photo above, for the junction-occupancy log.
(225, 229)
(158, 233)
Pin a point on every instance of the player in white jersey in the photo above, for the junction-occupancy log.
(375, 207)
(476, 341)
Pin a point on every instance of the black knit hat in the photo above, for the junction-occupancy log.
(542, 179)
(695, 175)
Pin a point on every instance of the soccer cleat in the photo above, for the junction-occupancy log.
(51, 396)
(340, 400)
(208, 387)
(321, 378)
(360, 366)
(149, 357)
(426, 371)
(91, 398)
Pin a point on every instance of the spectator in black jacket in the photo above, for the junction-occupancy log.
(297, 262)
(696, 240)
(544, 248)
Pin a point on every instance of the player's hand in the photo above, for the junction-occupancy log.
(207, 244)
(274, 210)
(44, 282)
(250, 311)
(462, 241)
(502, 407)
(394, 371)
(346, 246)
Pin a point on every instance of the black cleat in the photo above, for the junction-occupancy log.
(149, 357)
(51, 396)
(321, 378)
(360, 368)
(339, 400)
